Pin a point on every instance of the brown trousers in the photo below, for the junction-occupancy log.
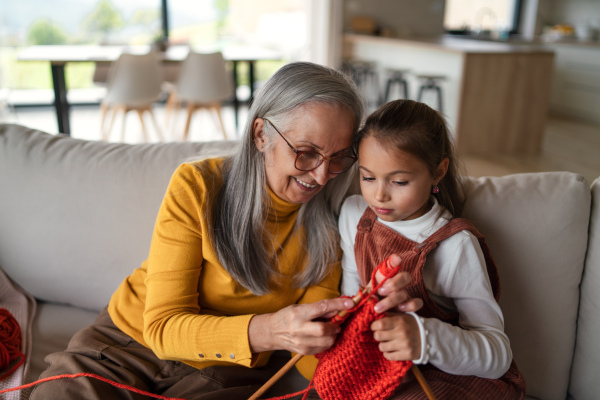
(104, 350)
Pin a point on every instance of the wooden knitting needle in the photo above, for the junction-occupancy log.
(297, 357)
(417, 373)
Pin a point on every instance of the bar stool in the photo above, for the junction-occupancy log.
(431, 83)
(364, 74)
(396, 77)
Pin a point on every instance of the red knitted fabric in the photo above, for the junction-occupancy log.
(354, 367)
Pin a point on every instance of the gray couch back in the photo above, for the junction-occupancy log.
(76, 218)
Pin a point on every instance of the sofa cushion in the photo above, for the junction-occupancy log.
(77, 216)
(53, 327)
(585, 375)
(536, 227)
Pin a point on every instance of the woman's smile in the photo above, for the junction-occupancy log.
(304, 185)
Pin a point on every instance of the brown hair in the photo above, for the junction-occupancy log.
(419, 130)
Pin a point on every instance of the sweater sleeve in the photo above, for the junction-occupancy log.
(175, 327)
(478, 346)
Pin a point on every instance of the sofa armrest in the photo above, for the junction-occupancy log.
(586, 363)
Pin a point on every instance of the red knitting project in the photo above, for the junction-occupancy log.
(354, 367)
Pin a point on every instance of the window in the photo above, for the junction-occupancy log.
(466, 16)
(40, 22)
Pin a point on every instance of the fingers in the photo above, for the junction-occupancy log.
(397, 282)
(395, 260)
(300, 328)
(398, 336)
(398, 301)
(324, 308)
(394, 295)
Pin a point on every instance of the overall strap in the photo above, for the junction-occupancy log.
(365, 224)
(456, 225)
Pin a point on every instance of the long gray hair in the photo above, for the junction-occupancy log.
(239, 211)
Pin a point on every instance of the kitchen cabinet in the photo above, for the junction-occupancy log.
(496, 95)
(576, 84)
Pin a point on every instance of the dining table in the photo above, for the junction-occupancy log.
(60, 55)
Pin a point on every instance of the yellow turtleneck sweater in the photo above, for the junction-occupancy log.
(182, 304)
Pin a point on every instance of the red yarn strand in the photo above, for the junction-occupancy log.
(10, 350)
(115, 384)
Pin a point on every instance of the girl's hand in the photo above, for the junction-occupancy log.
(398, 336)
(394, 297)
(301, 328)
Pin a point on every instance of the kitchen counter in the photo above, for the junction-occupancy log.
(495, 94)
(454, 44)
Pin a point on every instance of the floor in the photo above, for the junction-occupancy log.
(568, 145)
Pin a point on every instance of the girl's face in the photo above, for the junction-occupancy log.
(396, 185)
(321, 128)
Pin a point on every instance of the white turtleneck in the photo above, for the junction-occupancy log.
(456, 279)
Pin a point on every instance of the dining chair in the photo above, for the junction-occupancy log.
(134, 84)
(6, 107)
(203, 83)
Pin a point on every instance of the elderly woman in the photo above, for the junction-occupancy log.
(244, 258)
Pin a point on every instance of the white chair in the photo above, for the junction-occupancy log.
(203, 82)
(133, 85)
(6, 107)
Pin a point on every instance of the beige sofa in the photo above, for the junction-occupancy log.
(76, 217)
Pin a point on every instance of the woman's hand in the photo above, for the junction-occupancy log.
(394, 297)
(398, 336)
(302, 328)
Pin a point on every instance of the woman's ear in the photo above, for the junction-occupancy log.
(258, 134)
(441, 170)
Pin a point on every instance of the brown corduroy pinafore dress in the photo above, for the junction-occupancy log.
(374, 243)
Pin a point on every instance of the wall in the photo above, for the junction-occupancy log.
(569, 12)
(406, 18)
(426, 17)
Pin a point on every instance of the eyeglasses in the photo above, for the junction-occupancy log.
(309, 160)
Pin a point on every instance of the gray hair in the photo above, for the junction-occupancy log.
(239, 212)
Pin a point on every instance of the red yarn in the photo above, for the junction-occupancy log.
(10, 342)
(354, 367)
(10, 350)
(115, 384)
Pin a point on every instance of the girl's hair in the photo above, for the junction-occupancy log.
(239, 210)
(419, 130)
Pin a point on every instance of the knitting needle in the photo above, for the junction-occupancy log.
(297, 357)
(417, 373)
(415, 370)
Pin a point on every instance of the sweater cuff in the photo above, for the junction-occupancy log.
(425, 346)
(226, 339)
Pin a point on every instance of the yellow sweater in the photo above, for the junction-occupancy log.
(182, 304)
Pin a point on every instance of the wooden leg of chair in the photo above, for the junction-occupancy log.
(190, 110)
(140, 112)
(104, 111)
(158, 131)
(217, 110)
(106, 134)
(125, 111)
(176, 110)
(169, 107)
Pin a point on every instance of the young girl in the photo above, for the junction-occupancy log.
(410, 205)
